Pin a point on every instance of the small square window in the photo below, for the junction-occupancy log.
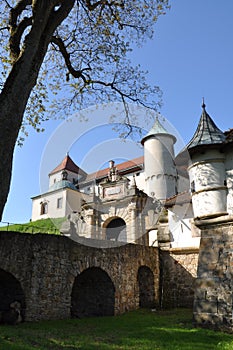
(59, 203)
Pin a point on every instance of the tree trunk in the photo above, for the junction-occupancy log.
(19, 84)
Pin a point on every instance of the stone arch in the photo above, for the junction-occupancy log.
(10, 291)
(146, 287)
(121, 212)
(115, 229)
(93, 294)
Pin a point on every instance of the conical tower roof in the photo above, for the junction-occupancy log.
(207, 132)
(157, 129)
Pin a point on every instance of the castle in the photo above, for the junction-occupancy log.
(154, 199)
(167, 219)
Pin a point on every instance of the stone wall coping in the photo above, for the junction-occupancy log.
(184, 250)
(225, 219)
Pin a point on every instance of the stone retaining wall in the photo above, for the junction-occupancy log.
(44, 268)
(177, 277)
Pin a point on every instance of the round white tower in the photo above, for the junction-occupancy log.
(159, 167)
(207, 169)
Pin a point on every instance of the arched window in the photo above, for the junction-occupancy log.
(43, 208)
(116, 230)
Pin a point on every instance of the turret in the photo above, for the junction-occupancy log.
(159, 168)
(207, 169)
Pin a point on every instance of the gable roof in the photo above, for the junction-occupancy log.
(68, 164)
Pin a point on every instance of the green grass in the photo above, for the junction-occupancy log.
(50, 226)
(137, 330)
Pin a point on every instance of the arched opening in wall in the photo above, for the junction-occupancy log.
(43, 208)
(116, 230)
(146, 287)
(10, 291)
(93, 294)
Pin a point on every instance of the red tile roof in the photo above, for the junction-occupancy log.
(68, 164)
(123, 168)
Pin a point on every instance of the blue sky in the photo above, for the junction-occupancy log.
(190, 57)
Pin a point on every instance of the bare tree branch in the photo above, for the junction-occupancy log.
(17, 11)
(75, 73)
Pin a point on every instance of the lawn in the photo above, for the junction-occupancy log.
(137, 330)
(48, 226)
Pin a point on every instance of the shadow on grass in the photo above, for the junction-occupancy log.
(138, 330)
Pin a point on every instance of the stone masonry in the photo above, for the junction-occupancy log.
(213, 303)
(41, 271)
(178, 271)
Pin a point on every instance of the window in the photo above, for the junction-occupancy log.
(59, 203)
(43, 208)
(192, 186)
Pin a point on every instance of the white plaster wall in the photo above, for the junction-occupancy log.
(209, 203)
(153, 238)
(36, 209)
(58, 177)
(139, 179)
(70, 202)
(180, 227)
(208, 176)
(160, 171)
(74, 201)
(209, 154)
(229, 180)
(51, 198)
(183, 184)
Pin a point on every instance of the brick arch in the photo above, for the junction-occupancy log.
(10, 291)
(93, 294)
(145, 278)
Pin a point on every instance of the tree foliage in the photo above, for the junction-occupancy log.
(87, 57)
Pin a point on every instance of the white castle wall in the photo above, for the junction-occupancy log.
(181, 228)
(160, 171)
(53, 178)
(229, 181)
(207, 176)
(71, 201)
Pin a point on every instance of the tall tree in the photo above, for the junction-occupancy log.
(74, 49)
